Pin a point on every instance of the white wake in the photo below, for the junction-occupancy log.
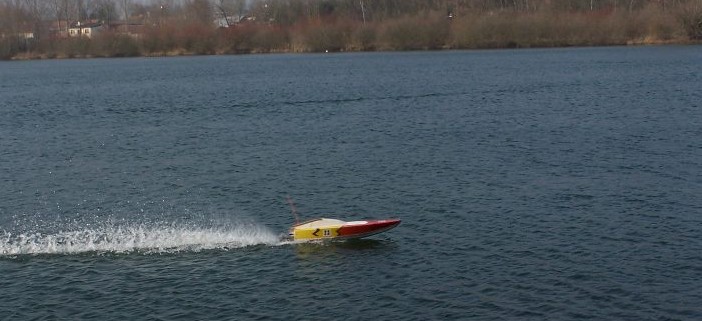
(139, 238)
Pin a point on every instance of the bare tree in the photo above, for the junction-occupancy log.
(36, 12)
(126, 6)
(104, 10)
(199, 11)
(224, 9)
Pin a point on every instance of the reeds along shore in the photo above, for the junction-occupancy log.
(655, 22)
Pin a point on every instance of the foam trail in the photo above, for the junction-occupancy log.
(141, 238)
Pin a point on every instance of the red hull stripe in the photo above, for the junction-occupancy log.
(369, 228)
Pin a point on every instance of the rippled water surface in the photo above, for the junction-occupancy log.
(559, 184)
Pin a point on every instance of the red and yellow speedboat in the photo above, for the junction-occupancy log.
(327, 228)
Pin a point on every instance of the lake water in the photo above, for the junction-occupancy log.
(554, 184)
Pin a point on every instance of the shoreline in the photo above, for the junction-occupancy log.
(339, 29)
(183, 53)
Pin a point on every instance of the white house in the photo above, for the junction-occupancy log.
(89, 29)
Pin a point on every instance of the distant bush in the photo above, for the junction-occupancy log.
(690, 17)
(237, 39)
(196, 38)
(116, 45)
(319, 36)
(415, 33)
(270, 38)
(549, 29)
(9, 47)
(159, 39)
(364, 38)
(76, 48)
(499, 31)
(659, 24)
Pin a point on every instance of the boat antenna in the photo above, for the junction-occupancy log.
(293, 209)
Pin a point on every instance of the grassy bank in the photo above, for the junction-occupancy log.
(429, 30)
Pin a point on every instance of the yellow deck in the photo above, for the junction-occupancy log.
(318, 229)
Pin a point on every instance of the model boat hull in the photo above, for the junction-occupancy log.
(325, 228)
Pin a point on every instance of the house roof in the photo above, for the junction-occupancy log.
(78, 24)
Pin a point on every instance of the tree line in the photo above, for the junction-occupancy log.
(39, 28)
